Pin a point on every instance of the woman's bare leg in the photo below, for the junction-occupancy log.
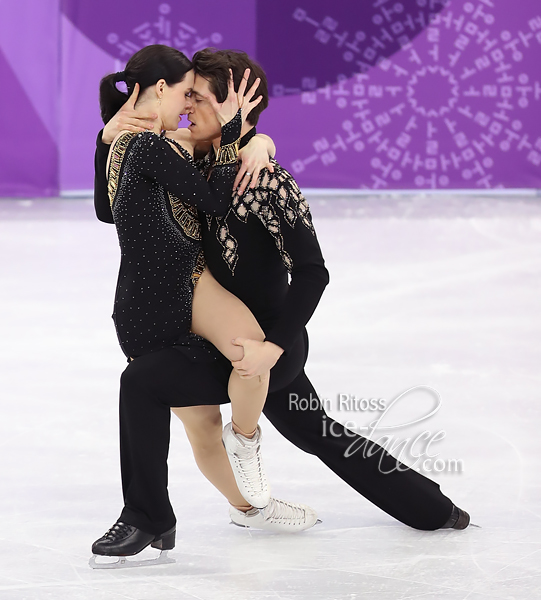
(219, 316)
(203, 425)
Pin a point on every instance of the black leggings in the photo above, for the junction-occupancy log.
(153, 383)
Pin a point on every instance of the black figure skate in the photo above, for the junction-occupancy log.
(124, 540)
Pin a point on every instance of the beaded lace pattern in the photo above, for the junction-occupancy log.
(273, 190)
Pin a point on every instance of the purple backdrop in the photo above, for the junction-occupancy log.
(29, 72)
(376, 94)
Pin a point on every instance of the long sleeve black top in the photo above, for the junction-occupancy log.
(155, 191)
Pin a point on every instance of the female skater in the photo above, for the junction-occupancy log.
(148, 173)
(155, 191)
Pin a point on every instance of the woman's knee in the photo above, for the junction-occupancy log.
(241, 329)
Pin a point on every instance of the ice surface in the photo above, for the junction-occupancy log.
(437, 291)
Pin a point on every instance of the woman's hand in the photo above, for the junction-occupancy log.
(128, 119)
(259, 357)
(235, 100)
(253, 157)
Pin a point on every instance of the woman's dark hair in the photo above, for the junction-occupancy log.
(146, 68)
(213, 65)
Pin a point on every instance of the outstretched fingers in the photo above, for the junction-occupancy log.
(227, 109)
(231, 83)
(247, 104)
(243, 84)
(247, 107)
(232, 97)
(253, 89)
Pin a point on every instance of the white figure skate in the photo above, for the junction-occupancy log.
(245, 457)
(278, 516)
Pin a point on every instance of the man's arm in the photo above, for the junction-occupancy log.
(309, 276)
(253, 157)
(101, 197)
(299, 248)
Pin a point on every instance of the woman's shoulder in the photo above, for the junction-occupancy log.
(140, 139)
(183, 137)
(142, 144)
(150, 143)
(145, 148)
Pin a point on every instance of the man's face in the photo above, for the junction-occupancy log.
(204, 124)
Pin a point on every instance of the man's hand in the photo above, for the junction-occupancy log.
(254, 157)
(128, 118)
(235, 100)
(259, 357)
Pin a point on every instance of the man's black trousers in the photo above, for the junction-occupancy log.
(174, 377)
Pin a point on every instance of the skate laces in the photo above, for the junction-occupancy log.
(117, 531)
(248, 458)
(284, 512)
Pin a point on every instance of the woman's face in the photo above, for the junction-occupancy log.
(176, 102)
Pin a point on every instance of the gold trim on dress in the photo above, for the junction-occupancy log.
(199, 268)
(227, 154)
(186, 216)
(115, 164)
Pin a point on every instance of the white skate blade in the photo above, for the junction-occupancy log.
(239, 525)
(248, 526)
(124, 562)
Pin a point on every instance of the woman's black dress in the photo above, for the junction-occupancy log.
(155, 194)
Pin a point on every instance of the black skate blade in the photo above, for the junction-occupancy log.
(123, 562)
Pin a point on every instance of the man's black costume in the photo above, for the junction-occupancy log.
(265, 239)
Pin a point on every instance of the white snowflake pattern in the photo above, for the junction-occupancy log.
(444, 111)
(164, 29)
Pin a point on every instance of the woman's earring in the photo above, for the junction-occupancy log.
(159, 100)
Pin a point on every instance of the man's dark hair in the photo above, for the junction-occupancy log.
(213, 65)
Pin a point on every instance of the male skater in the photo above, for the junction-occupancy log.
(266, 236)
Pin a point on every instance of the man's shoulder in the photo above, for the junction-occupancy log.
(281, 172)
(278, 183)
(275, 193)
